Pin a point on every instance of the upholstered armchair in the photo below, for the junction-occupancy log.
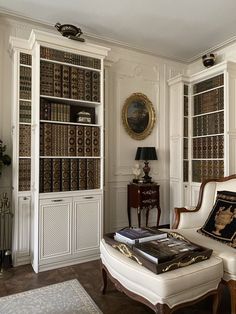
(189, 221)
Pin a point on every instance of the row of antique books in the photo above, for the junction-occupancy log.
(25, 111)
(25, 59)
(66, 174)
(69, 82)
(208, 147)
(54, 111)
(24, 174)
(207, 169)
(67, 57)
(69, 140)
(208, 84)
(210, 101)
(25, 82)
(208, 124)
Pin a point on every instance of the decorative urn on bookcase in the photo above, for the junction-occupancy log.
(66, 156)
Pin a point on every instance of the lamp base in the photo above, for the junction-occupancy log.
(146, 170)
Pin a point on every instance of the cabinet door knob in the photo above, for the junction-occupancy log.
(88, 197)
(57, 200)
(25, 198)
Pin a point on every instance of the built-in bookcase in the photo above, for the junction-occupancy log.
(58, 150)
(202, 130)
(208, 129)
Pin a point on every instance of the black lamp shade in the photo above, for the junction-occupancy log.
(146, 153)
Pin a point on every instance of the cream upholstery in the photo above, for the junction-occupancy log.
(171, 288)
(187, 222)
(197, 219)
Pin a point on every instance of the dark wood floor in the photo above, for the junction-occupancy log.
(23, 278)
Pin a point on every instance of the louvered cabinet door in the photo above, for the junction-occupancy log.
(55, 230)
(87, 225)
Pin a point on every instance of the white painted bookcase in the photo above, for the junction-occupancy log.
(53, 228)
(185, 181)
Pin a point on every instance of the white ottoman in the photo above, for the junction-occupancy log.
(163, 292)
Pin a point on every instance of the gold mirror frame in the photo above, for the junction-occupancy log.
(130, 101)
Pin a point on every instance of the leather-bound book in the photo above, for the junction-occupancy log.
(71, 140)
(24, 174)
(41, 144)
(41, 162)
(74, 83)
(57, 80)
(65, 81)
(88, 85)
(95, 86)
(47, 138)
(65, 174)
(82, 183)
(47, 175)
(65, 140)
(25, 111)
(95, 141)
(79, 140)
(81, 84)
(46, 78)
(90, 174)
(74, 174)
(56, 175)
(97, 172)
(45, 109)
(87, 141)
(25, 140)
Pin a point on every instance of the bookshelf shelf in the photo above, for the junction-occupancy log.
(70, 123)
(59, 112)
(208, 90)
(71, 65)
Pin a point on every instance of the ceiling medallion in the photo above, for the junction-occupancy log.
(70, 31)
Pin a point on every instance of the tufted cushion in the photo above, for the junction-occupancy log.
(172, 288)
(221, 222)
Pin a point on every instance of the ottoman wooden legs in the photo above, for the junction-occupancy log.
(158, 308)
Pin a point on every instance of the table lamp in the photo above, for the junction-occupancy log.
(146, 154)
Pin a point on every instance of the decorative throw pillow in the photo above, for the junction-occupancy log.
(221, 222)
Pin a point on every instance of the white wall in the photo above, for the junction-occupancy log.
(127, 71)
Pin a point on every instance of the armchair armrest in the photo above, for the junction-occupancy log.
(180, 214)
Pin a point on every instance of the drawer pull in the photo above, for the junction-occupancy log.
(25, 198)
(88, 197)
(57, 200)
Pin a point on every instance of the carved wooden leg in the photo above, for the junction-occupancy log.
(232, 288)
(104, 280)
(162, 309)
(215, 303)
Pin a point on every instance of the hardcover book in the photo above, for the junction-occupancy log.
(65, 81)
(74, 83)
(82, 174)
(138, 235)
(87, 141)
(65, 174)
(25, 140)
(95, 88)
(56, 175)
(87, 84)
(47, 175)
(90, 174)
(71, 140)
(79, 140)
(81, 84)
(57, 80)
(74, 174)
(95, 141)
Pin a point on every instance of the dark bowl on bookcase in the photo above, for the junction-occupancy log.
(208, 60)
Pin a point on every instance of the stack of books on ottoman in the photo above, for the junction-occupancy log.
(157, 250)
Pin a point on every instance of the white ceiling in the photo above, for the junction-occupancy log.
(178, 29)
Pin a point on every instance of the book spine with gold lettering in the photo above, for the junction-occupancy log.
(57, 80)
(95, 88)
(82, 182)
(95, 141)
(56, 175)
(65, 174)
(87, 141)
(74, 174)
(46, 78)
(71, 140)
(87, 84)
(65, 81)
(81, 84)
(79, 140)
(74, 83)
(47, 175)
(47, 138)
